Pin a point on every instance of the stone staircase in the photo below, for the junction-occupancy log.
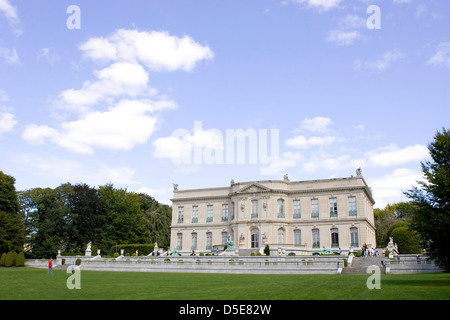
(360, 265)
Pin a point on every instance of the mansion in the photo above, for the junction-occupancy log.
(293, 216)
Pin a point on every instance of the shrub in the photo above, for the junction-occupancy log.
(408, 241)
(9, 261)
(20, 260)
(267, 250)
(78, 262)
(2, 259)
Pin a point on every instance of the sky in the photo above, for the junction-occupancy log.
(148, 94)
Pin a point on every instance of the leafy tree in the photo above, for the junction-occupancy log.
(47, 219)
(12, 228)
(86, 216)
(125, 222)
(158, 218)
(432, 197)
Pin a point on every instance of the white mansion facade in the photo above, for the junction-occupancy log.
(300, 217)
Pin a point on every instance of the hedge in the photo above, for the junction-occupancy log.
(130, 249)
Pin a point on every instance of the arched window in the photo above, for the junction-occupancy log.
(255, 238)
(354, 237)
(334, 238)
(280, 208)
(316, 238)
(281, 236)
(194, 241)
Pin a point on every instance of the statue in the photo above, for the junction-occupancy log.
(326, 251)
(87, 253)
(230, 245)
(174, 252)
(175, 186)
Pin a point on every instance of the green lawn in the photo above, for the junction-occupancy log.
(32, 283)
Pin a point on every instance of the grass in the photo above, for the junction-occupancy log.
(35, 284)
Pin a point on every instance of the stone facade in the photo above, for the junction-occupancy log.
(289, 216)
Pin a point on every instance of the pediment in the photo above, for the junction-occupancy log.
(254, 188)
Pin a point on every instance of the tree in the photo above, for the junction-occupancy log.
(432, 197)
(158, 218)
(86, 216)
(125, 222)
(47, 219)
(12, 227)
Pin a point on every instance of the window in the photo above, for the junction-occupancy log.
(194, 214)
(232, 211)
(209, 217)
(194, 242)
(334, 238)
(281, 236)
(280, 208)
(180, 214)
(296, 209)
(333, 208)
(255, 238)
(224, 212)
(208, 240)
(297, 237)
(254, 209)
(316, 238)
(354, 237)
(352, 206)
(314, 208)
(179, 241)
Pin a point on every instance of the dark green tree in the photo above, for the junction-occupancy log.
(158, 218)
(432, 197)
(86, 216)
(12, 227)
(47, 218)
(125, 222)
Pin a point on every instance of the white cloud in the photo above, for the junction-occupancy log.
(302, 142)
(45, 53)
(162, 195)
(442, 55)
(392, 155)
(286, 160)
(381, 64)
(9, 11)
(118, 79)
(389, 188)
(330, 162)
(343, 37)
(7, 122)
(181, 146)
(157, 50)
(128, 123)
(317, 124)
(322, 5)
(114, 111)
(3, 96)
(9, 56)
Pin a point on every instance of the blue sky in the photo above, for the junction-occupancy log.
(143, 93)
